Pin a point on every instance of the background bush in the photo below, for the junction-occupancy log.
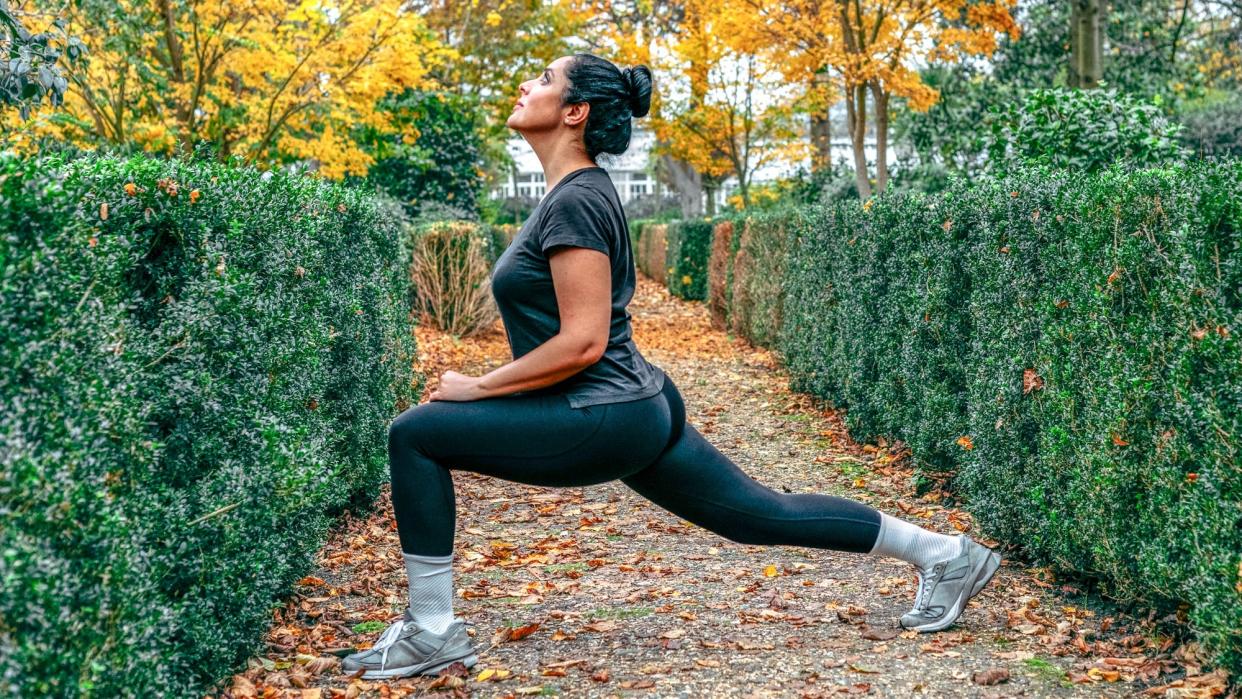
(1080, 130)
(450, 274)
(1064, 348)
(199, 367)
(756, 307)
(1058, 348)
(688, 249)
(726, 234)
(651, 253)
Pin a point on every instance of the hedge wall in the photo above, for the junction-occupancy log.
(756, 305)
(199, 365)
(1065, 348)
(689, 248)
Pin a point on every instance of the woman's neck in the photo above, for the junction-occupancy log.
(558, 158)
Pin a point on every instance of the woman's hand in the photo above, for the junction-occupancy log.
(457, 387)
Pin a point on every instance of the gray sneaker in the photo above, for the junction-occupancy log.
(406, 649)
(945, 589)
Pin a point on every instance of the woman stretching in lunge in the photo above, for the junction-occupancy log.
(579, 405)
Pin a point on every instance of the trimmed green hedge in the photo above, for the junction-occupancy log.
(1065, 348)
(689, 248)
(756, 306)
(197, 376)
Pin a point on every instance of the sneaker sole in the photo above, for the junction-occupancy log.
(396, 672)
(985, 573)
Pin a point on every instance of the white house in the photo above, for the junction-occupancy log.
(630, 173)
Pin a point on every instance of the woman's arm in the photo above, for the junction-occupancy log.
(582, 279)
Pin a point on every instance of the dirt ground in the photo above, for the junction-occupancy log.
(596, 592)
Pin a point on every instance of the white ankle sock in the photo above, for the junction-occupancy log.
(910, 542)
(431, 590)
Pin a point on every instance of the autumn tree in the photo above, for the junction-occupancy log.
(638, 32)
(737, 115)
(267, 80)
(497, 45)
(873, 50)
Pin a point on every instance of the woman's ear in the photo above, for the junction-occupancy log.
(578, 113)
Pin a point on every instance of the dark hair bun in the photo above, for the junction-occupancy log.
(638, 79)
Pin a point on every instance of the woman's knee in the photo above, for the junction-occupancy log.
(405, 429)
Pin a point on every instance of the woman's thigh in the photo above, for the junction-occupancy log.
(539, 440)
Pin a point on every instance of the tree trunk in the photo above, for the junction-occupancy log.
(821, 130)
(688, 184)
(1086, 43)
(856, 116)
(880, 97)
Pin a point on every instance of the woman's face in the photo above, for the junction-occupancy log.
(538, 105)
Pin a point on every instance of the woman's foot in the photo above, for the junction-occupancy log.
(949, 584)
(406, 649)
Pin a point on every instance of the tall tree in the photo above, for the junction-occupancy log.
(1086, 42)
(875, 49)
(637, 32)
(738, 116)
(268, 80)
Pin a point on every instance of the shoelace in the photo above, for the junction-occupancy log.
(928, 581)
(387, 639)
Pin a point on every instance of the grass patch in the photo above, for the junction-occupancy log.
(851, 469)
(1045, 670)
(369, 626)
(619, 612)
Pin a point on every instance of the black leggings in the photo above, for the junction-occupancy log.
(647, 443)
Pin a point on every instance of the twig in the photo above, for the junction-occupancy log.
(220, 511)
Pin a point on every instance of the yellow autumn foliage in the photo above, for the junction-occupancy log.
(268, 80)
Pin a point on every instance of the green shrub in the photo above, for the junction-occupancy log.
(197, 376)
(758, 279)
(689, 247)
(652, 248)
(450, 272)
(1063, 348)
(1213, 127)
(439, 173)
(1082, 130)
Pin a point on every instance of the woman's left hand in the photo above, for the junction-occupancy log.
(457, 387)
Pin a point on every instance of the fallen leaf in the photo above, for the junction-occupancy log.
(873, 634)
(992, 675)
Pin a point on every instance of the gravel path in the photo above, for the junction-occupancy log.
(596, 592)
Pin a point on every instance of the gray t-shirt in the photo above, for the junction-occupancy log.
(582, 210)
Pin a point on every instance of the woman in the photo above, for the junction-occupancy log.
(579, 405)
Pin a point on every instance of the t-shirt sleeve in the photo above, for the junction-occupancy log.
(577, 219)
